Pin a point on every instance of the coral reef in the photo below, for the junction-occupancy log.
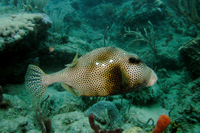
(20, 36)
(78, 26)
(19, 27)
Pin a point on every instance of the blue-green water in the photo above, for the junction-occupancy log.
(163, 33)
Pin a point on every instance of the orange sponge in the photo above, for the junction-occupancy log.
(162, 123)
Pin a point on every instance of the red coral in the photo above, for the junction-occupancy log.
(97, 128)
(93, 125)
(162, 123)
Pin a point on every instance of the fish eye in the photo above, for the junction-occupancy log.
(132, 60)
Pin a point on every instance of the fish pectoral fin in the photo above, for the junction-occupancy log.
(74, 62)
(69, 89)
(125, 78)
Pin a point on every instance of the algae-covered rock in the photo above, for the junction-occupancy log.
(190, 54)
(15, 118)
(105, 112)
(74, 122)
(146, 95)
(18, 125)
(134, 130)
(17, 107)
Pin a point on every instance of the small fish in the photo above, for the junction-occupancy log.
(51, 49)
(101, 72)
(36, 59)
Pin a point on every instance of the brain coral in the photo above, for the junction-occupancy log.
(19, 27)
(105, 112)
(13, 24)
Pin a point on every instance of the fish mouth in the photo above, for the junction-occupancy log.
(153, 78)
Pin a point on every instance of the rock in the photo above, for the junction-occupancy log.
(20, 37)
(105, 112)
(34, 131)
(18, 125)
(134, 130)
(17, 107)
(71, 122)
(144, 11)
(190, 54)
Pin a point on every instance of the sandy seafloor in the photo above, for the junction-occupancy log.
(21, 115)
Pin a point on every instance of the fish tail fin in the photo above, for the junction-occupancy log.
(33, 81)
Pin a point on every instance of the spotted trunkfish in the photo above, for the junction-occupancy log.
(101, 72)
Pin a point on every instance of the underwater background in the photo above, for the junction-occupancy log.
(49, 33)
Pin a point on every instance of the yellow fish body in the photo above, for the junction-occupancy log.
(101, 72)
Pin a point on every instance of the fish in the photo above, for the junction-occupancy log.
(102, 72)
(51, 49)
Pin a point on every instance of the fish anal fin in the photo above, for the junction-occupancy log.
(125, 78)
(69, 89)
(74, 62)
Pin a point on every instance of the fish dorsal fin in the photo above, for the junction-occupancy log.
(69, 89)
(74, 62)
(125, 78)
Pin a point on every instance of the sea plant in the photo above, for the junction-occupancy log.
(33, 5)
(148, 38)
(45, 123)
(188, 8)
